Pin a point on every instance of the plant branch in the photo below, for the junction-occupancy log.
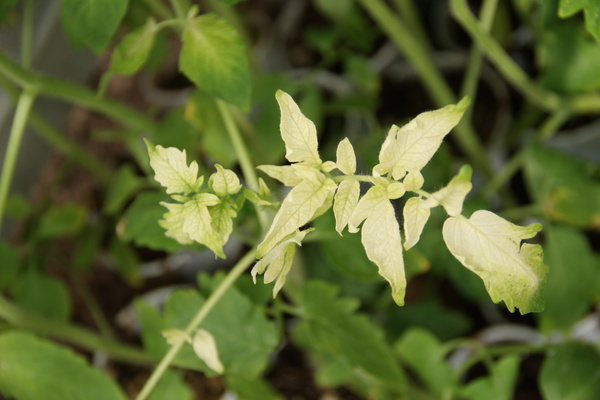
(212, 300)
(76, 94)
(27, 35)
(24, 105)
(438, 89)
(73, 334)
(543, 98)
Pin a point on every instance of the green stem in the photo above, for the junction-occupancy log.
(504, 175)
(24, 105)
(70, 333)
(159, 9)
(229, 280)
(406, 8)
(93, 307)
(178, 8)
(553, 124)
(73, 93)
(243, 157)
(438, 89)
(469, 85)
(57, 140)
(27, 35)
(510, 69)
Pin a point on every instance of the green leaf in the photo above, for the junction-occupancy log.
(571, 286)
(191, 221)
(424, 353)
(344, 203)
(121, 188)
(415, 213)
(140, 223)
(577, 204)
(171, 386)
(568, 8)
(5, 8)
(380, 236)
(591, 10)
(298, 132)
(250, 388)
(10, 263)
(34, 368)
(338, 331)
(171, 169)
(491, 247)
(92, 23)
(411, 147)
(499, 385)
(298, 208)
(213, 56)
(571, 372)
(63, 220)
(42, 294)
(132, 52)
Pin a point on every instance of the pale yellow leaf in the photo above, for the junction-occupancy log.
(283, 173)
(345, 157)
(344, 203)
(395, 190)
(453, 195)
(415, 218)
(491, 247)
(413, 181)
(412, 146)
(171, 169)
(225, 181)
(298, 132)
(205, 347)
(297, 209)
(175, 336)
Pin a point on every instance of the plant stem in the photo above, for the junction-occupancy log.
(243, 157)
(159, 9)
(469, 85)
(73, 334)
(406, 8)
(76, 94)
(92, 305)
(178, 8)
(27, 35)
(510, 69)
(229, 280)
(57, 140)
(438, 89)
(24, 104)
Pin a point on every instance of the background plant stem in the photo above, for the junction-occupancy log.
(24, 104)
(27, 35)
(212, 300)
(437, 87)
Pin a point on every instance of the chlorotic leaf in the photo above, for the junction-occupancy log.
(222, 215)
(213, 56)
(345, 157)
(171, 169)
(298, 132)
(176, 337)
(453, 195)
(395, 190)
(415, 215)
(192, 221)
(411, 147)
(380, 236)
(277, 263)
(34, 368)
(298, 208)
(131, 53)
(205, 347)
(285, 174)
(344, 203)
(92, 23)
(491, 247)
(225, 181)
(413, 180)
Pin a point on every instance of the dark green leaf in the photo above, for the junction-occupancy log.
(64, 220)
(499, 385)
(335, 329)
(121, 188)
(572, 279)
(126, 261)
(34, 369)
(575, 204)
(5, 7)
(92, 23)
(571, 372)
(231, 2)
(213, 56)
(10, 263)
(17, 206)
(424, 353)
(42, 294)
(171, 386)
(251, 388)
